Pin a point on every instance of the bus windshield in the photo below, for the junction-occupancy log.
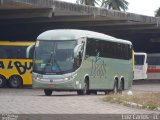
(139, 59)
(54, 57)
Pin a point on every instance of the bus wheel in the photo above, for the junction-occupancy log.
(15, 81)
(94, 92)
(48, 92)
(120, 87)
(106, 92)
(2, 81)
(115, 88)
(85, 90)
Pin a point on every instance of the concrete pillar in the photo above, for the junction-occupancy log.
(1, 2)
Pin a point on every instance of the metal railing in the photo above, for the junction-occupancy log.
(84, 10)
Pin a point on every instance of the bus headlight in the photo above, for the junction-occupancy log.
(37, 78)
(66, 78)
(77, 82)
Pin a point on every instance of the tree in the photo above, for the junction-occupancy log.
(115, 4)
(88, 2)
(157, 12)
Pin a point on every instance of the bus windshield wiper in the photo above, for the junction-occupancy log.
(55, 61)
(51, 62)
(48, 63)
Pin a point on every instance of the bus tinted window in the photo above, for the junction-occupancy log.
(3, 53)
(91, 47)
(12, 52)
(153, 60)
(108, 49)
(139, 59)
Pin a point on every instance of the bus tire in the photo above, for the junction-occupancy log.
(120, 87)
(85, 90)
(115, 88)
(106, 92)
(15, 81)
(3, 81)
(47, 92)
(94, 92)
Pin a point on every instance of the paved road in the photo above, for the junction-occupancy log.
(31, 101)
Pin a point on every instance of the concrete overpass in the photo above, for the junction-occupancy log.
(25, 19)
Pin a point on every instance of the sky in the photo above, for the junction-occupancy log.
(143, 7)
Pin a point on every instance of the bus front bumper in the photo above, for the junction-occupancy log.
(65, 85)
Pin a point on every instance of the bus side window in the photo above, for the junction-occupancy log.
(91, 47)
(18, 54)
(3, 53)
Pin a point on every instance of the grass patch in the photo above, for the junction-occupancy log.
(144, 100)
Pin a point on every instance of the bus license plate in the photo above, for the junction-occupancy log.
(50, 85)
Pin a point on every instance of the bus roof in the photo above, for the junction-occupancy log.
(140, 53)
(16, 43)
(71, 34)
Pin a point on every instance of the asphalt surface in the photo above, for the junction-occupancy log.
(26, 101)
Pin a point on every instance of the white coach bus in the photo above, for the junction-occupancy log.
(82, 61)
(140, 61)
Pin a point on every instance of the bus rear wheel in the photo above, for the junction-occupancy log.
(94, 92)
(47, 92)
(15, 81)
(115, 88)
(120, 87)
(2, 81)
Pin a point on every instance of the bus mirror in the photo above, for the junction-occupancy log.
(77, 50)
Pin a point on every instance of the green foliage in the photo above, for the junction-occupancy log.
(145, 100)
(115, 4)
(109, 4)
(157, 12)
(88, 2)
(150, 105)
